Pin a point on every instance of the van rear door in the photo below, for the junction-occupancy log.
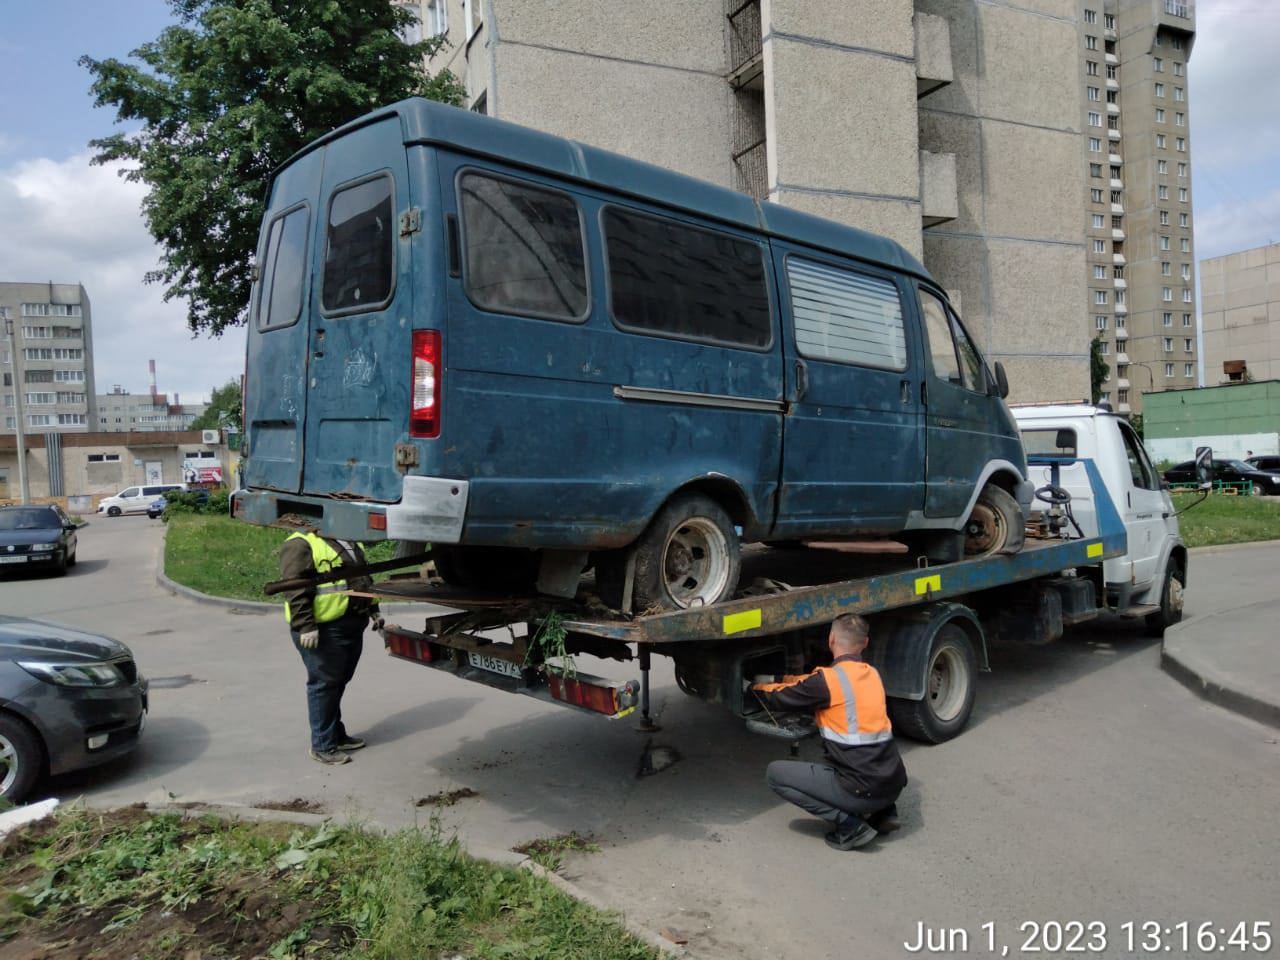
(358, 375)
(852, 456)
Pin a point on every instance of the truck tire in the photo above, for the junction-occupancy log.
(21, 759)
(950, 683)
(1170, 602)
(688, 556)
(499, 569)
(996, 525)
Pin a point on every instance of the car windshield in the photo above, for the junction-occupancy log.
(28, 519)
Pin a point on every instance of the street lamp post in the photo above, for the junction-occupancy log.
(21, 438)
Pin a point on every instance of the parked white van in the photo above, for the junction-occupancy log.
(136, 499)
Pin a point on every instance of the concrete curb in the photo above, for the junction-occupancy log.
(1201, 680)
(254, 607)
(1231, 547)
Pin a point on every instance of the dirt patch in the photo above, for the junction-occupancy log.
(296, 805)
(446, 798)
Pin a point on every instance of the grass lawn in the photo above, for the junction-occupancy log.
(1224, 519)
(129, 884)
(228, 558)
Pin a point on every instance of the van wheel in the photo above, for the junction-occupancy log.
(1170, 603)
(996, 525)
(688, 556)
(948, 694)
(502, 569)
(21, 759)
(113, 511)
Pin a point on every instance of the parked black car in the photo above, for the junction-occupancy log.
(1228, 471)
(37, 536)
(1270, 463)
(68, 700)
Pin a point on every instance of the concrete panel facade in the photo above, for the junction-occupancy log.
(1240, 313)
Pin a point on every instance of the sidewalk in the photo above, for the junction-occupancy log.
(1227, 649)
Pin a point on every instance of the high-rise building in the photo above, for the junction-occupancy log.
(121, 411)
(1140, 256)
(951, 126)
(48, 362)
(1240, 316)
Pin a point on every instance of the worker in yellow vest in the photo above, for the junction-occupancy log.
(857, 789)
(327, 627)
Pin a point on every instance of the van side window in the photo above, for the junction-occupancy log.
(847, 317)
(524, 249)
(952, 352)
(674, 280)
(360, 247)
(1140, 469)
(283, 266)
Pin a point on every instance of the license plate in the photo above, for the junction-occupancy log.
(13, 559)
(494, 665)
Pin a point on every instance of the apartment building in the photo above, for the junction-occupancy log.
(121, 411)
(1141, 289)
(1240, 316)
(951, 126)
(46, 356)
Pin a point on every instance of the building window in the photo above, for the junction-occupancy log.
(1179, 94)
(1168, 369)
(1115, 173)
(1095, 145)
(1113, 72)
(1091, 68)
(1177, 69)
(1186, 319)
(1164, 217)
(1100, 321)
(1167, 319)
(1117, 223)
(1095, 119)
(1162, 192)
(1090, 43)
(1160, 141)
(1091, 16)
(1104, 347)
(1182, 169)
(438, 17)
(1166, 268)
(1183, 220)
(1095, 195)
(1164, 243)
(1099, 246)
(1188, 344)
(1098, 222)
(1118, 273)
(1188, 370)
(1099, 272)
(1120, 297)
(1186, 294)
(1113, 123)
(1113, 96)
(1095, 94)
(1168, 344)
(1181, 144)
(472, 16)
(71, 419)
(1179, 119)
(68, 376)
(1177, 43)
(1095, 170)
(1122, 396)
(1120, 321)
(40, 420)
(1186, 271)
(1158, 65)
(1109, 21)
(1166, 294)
(1159, 115)
(1185, 244)
(1159, 89)
(1182, 194)
(1100, 297)
(1162, 166)
(37, 333)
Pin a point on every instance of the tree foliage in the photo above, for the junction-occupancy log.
(1098, 369)
(223, 410)
(224, 97)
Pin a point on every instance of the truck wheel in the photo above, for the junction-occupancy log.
(21, 759)
(949, 691)
(996, 525)
(688, 556)
(504, 569)
(1170, 603)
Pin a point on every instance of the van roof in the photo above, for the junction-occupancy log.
(427, 122)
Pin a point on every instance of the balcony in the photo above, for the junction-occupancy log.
(1117, 208)
(939, 194)
(1122, 384)
(746, 46)
(1122, 357)
(1111, 58)
(1113, 109)
(1121, 335)
(1117, 234)
(1121, 283)
(1121, 310)
(1124, 408)
(1117, 184)
(1118, 258)
(1113, 133)
(1114, 158)
(1113, 83)
(933, 54)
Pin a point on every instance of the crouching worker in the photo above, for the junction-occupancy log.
(327, 627)
(856, 789)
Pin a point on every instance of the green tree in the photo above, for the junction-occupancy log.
(1098, 369)
(224, 97)
(223, 411)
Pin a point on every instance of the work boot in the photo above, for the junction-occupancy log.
(350, 743)
(886, 820)
(850, 834)
(329, 756)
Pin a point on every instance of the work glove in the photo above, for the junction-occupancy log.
(377, 623)
(309, 640)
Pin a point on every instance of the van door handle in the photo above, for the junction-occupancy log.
(802, 379)
(906, 391)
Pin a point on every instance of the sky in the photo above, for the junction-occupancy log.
(64, 220)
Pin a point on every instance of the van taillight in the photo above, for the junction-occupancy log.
(424, 414)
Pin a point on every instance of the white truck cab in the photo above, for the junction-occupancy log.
(1149, 579)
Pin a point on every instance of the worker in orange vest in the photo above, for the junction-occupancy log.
(857, 789)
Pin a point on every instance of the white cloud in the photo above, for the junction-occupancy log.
(70, 222)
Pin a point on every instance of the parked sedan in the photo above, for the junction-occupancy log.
(37, 536)
(1269, 463)
(1228, 471)
(68, 700)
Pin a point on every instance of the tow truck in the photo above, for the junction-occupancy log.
(929, 624)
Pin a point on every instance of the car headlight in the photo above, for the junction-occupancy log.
(43, 547)
(74, 674)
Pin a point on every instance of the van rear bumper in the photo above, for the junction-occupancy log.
(431, 509)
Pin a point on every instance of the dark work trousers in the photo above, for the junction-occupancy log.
(817, 788)
(330, 667)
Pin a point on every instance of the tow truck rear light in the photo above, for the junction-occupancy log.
(377, 521)
(610, 697)
(407, 647)
(424, 413)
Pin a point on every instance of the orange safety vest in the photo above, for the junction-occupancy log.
(856, 714)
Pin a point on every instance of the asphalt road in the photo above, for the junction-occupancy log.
(1089, 787)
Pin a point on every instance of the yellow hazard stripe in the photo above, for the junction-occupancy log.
(925, 584)
(1093, 550)
(737, 622)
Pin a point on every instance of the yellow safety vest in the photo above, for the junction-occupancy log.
(331, 600)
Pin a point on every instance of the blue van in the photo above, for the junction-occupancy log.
(539, 356)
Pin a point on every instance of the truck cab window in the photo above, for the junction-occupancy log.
(360, 247)
(952, 353)
(1140, 469)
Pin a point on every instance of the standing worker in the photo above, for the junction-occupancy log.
(865, 773)
(328, 631)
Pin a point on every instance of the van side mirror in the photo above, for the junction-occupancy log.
(1204, 467)
(1001, 386)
